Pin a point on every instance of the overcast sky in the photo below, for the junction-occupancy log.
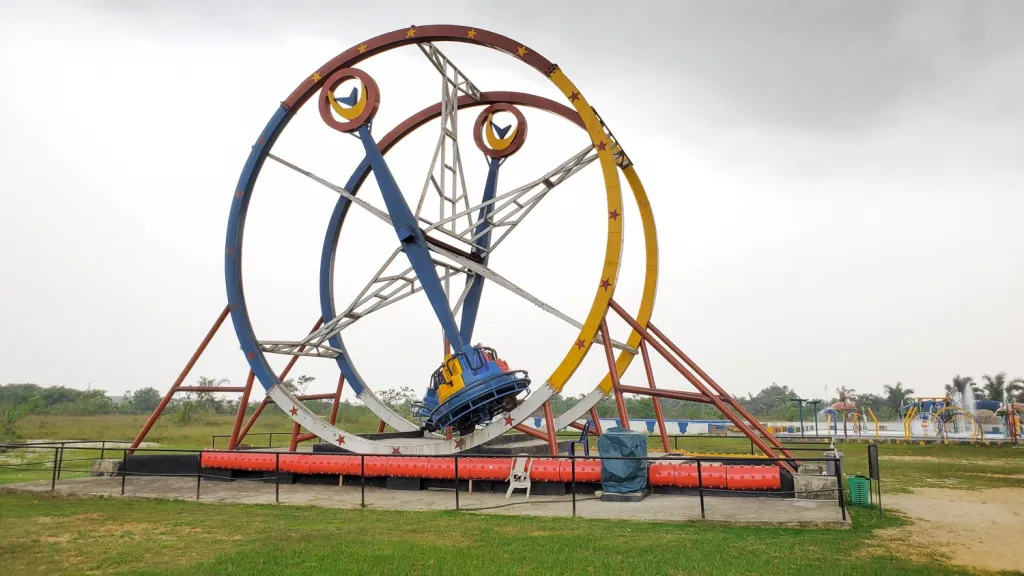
(837, 186)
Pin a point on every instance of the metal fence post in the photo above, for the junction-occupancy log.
(124, 470)
(60, 463)
(362, 479)
(751, 446)
(839, 483)
(456, 481)
(675, 442)
(53, 480)
(700, 488)
(277, 478)
(199, 473)
(213, 441)
(103, 449)
(573, 461)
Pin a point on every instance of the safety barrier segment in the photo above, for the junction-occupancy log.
(588, 470)
(719, 400)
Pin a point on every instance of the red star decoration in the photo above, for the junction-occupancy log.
(574, 96)
(234, 307)
(250, 355)
(230, 250)
(606, 284)
(509, 421)
(259, 141)
(602, 145)
(396, 450)
(614, 215)
(294, 411)
(460, 443)
(580, 343)
(341, 439)
(238, 193)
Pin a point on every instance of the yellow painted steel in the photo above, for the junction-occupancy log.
(613, 247)
(453, 382)
(976, 429)
(650, 290)
(907, 420)
(353, 112)
(492, 139)
(872, 413)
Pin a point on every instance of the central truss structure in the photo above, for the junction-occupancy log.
(456, 244)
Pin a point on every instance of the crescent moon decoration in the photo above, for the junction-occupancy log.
(492, 139)
(353, 112)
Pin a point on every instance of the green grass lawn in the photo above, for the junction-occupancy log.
(47, 535)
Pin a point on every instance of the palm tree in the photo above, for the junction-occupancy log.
(960, 384)
(844, 393)
(998, 387)
(896, 395)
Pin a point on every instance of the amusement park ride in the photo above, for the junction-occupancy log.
(473, 397)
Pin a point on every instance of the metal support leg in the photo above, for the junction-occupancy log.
(613, 371)
(549, 423)
(700, 489)
(53, 480)
(277, 478)
(243, 405)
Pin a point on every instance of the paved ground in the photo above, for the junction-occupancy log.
(737, 510)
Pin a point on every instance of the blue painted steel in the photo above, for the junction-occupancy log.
(413, 243)
(233, 249)
(327, 258)
(471, 306)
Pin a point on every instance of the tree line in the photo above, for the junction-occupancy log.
(774, 402)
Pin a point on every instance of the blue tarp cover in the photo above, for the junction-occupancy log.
(623, 476)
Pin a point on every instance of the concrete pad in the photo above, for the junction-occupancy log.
(764, 511)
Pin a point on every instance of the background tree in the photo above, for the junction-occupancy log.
(896, 396)
(304, 382)
(142, 401)
(959, 386)
(999, 388)
(844, 393)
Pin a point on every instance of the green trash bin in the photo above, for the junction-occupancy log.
(860, 490)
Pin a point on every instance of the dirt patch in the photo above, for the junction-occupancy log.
(981, 529)
(988, 475)
(936, 459)
(64, 519)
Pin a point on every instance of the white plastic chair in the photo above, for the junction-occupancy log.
(519, 477)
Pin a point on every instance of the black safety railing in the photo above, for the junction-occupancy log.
(58, 465)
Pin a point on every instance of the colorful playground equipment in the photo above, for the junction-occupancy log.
(1011, 413)
(940, 417)
(473, 398)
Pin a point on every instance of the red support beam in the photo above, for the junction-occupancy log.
(579, 426)
(177, 383)
(380, 427)
(549, 425)
(596, 420)
(654, 399)
(337, 400)
(243, 405)
(721, 391)
(252, 419)
(293, 444)
(210, 389)
(529, 431)
(613, 371)
(662, 393)
(765, 448)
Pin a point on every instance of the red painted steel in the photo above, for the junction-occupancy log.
(654, 399)
(243, 405)
(549, 425)
(181, 378)
(337, 400)
(531, 431)
(721, 391)
(380, 427)
(613, 371)
(698, 385)
(596, 420)
(680, 475)
(293, 444)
